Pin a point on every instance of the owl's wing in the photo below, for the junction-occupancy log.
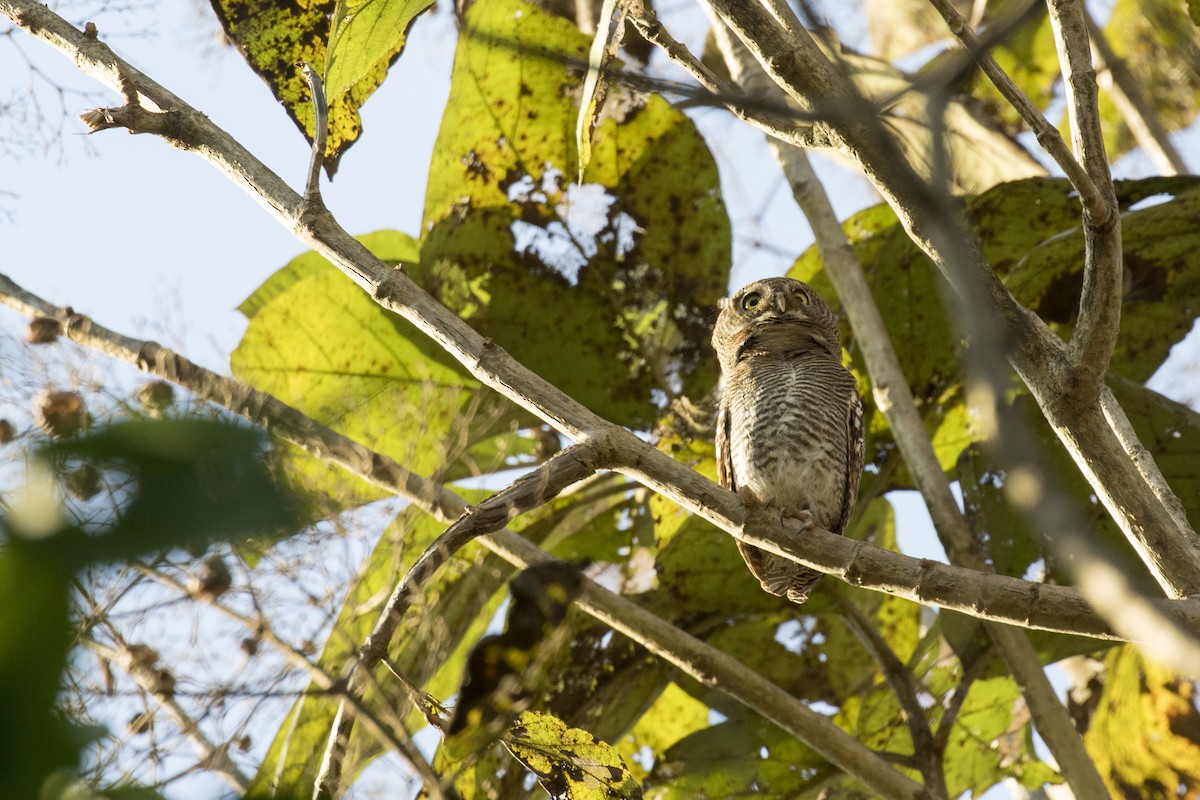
(724, 454)
(854, 455)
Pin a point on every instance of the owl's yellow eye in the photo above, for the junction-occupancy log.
(751, 301)
(802, 297)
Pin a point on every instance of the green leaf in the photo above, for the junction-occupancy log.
(1144, 729)
(570, 763)
(319, 343)
(1162, 278)
(367, 36)
(276, 38)
(604, 289)
(739, 758)
(992, 740)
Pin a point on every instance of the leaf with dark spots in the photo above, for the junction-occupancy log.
(575, 281)
(570, 763)
(1030, 232)
(276, 38)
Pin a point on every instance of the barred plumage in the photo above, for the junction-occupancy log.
(789, 427)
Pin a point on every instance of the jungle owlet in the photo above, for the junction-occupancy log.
(789, 428)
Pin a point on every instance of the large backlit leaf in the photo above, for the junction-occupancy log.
(992, 739)
(603, 288)
(674, 715)
(367, 36)
(319, 343)
(1029, 231)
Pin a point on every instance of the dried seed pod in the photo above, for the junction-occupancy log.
(163, 683)
(61, 414)
(211, 580)
(143, 655)
(43, 330)
(84, 483)
(140, 723)
(156, 396)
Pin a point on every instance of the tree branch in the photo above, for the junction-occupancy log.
(212, 756)
(1162, 537)
(894, 398)
(1099, 319)
(1047, 135)
(692, 656)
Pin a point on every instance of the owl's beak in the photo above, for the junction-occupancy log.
(781, 302)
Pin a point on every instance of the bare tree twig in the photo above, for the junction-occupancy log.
(214, 757)
(1047, 135)
(1136, 109)
(386, 732)
(695, 658)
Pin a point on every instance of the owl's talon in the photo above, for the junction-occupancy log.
(797, 523)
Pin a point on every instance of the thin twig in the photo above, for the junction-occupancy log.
(1047, 135)
(385, 733)
(1137, 111)
(1099, 319)
(312, 188)
(214, 757)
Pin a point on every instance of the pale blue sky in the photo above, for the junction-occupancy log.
(155, 243)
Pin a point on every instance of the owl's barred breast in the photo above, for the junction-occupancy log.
(788, 432)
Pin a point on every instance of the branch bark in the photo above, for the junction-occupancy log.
(987, 596)
(1131, 493)
(692, 656)
(894, 398)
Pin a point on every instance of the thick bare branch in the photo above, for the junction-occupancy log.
(894, 399)
(996, 323)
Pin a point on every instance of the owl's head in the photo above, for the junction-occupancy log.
(774, 315)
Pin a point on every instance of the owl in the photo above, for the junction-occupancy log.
(789, 426)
